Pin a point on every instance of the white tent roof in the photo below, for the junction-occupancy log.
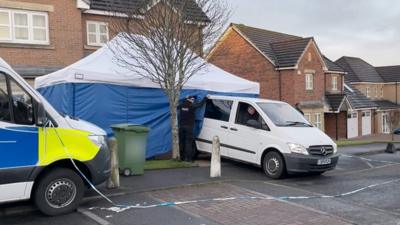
(101, 67)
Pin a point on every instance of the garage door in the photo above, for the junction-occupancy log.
(366, 123)
(352, 125)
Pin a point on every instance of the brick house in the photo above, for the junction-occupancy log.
(379, 85)
(38, 37)
(289, 68)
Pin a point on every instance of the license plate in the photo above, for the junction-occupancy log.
(324, 162)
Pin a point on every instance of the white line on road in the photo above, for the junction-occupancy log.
(93, 216)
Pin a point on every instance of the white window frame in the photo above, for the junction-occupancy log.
(309, 81)
(9, 25)
(307, 116)
(97, 33)
(318, 121)
(367, 92)
(30, 27)
(334, 83)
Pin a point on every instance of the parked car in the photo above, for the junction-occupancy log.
(44, 154)
(278, 139)
(397, 131)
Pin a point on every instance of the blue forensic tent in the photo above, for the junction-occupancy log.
(100, 91)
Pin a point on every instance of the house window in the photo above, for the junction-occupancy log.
(381, 92)
(308, 117)
(24, 27)
(334, 83)
(97, 33)
(309, 81)
(367, 92)
(5, 25)
(376, 92)
(309, 57)
(317, 120)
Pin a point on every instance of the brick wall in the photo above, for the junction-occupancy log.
(314, 66)
(328, 83)
(65, 32)
(235, 55)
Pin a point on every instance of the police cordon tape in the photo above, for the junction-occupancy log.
(118, 208)
(121, 208)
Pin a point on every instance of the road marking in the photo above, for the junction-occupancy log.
(93, 217)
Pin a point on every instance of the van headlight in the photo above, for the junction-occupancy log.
(98, 140)
(297, 148)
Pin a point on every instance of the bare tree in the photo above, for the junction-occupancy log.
(164, 41)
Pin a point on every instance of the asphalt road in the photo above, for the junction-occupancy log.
(379, 205)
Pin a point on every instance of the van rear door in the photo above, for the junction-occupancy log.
(216, 123)
(19, 145)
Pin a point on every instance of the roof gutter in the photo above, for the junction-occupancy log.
(287, 68)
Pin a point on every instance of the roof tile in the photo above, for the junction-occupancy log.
(194, 12)
(389, 73)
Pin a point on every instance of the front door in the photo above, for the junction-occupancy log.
(385, 123)
(18, 140)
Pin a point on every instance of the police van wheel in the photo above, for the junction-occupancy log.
(273, 165)
(59, 192)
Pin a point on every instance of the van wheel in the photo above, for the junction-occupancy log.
(273, 165)
(58, 192)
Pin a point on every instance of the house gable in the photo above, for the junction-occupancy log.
(238, 56)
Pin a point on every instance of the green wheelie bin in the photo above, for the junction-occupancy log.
(132, 141)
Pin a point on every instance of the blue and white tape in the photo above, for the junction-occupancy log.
(117, 208)
(122, 208)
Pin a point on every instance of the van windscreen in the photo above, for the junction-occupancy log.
(284, 115)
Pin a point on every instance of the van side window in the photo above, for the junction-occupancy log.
(5, 113)
(22, 105)
(218, 109)
(247, 112)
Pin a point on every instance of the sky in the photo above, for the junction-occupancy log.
(369, 29)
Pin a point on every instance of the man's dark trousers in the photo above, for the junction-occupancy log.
(186, 143)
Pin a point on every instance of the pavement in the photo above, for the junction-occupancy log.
(362, 166)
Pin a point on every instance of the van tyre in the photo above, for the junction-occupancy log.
(273, 165)
(58, 192)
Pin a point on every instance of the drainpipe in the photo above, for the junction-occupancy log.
(337, 126)
(396, 93)
(280, 85)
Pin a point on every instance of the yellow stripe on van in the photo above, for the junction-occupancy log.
(77, 143)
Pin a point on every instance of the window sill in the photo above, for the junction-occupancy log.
(27, 46)
(91, 47)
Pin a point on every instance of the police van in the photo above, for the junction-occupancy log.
(45, 156)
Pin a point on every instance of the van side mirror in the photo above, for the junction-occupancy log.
(254, 124)
(40, 114)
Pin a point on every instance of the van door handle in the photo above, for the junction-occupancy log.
(224, 127)
(234, 129)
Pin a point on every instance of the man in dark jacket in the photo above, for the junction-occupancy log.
(297, 106)
(187, 112)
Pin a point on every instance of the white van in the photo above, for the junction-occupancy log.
(275, 137)
(41, 150)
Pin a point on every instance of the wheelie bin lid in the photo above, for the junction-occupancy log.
(130, 127)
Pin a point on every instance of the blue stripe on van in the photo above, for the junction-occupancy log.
(19, 147)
